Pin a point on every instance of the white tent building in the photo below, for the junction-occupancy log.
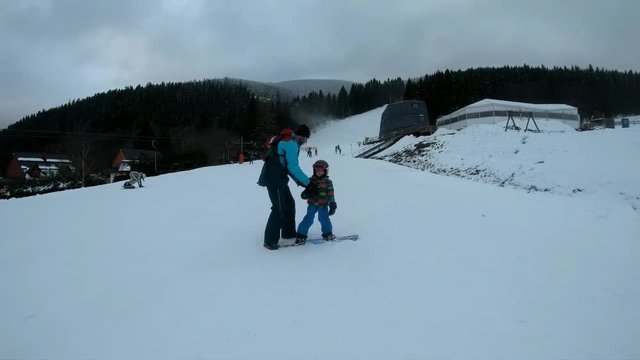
(490, 111)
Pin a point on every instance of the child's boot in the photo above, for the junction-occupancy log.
(301, 239)
(328, 236)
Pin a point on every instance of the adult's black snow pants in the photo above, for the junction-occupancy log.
(283, 215)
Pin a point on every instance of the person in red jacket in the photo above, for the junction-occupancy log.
(280, 164)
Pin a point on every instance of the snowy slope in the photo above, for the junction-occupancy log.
(346, 133)
(445, 268)
(558, 160)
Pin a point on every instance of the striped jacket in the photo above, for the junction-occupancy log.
(325, 191)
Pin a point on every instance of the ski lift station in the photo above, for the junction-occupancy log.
(490, 111)
(405, 117)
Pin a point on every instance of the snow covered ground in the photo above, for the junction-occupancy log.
(558, 159)
(446, 266)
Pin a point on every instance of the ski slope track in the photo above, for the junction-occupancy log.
(456, 267)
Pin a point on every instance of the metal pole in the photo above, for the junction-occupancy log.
(155, 156)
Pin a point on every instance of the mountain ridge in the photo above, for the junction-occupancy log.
(289, 89)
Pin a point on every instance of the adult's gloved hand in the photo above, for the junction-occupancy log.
(332, 208)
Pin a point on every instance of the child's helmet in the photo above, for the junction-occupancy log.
(321, 164)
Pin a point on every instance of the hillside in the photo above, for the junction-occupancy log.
(557, 160)
(287, 90)
(303, 87)
(177, 269)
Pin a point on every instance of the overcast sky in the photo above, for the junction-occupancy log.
(54, 51)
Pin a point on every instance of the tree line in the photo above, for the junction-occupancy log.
(192, 124)
(206, 122)
(595, 92)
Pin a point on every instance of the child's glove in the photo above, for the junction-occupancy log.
(304, 194)
(310, 191)
(332, 208)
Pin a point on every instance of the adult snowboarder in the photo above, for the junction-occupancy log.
(281, 162)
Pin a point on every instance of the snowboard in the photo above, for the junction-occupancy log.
(317, 240)
(131, 186)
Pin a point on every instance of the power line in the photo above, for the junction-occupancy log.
(50, 134)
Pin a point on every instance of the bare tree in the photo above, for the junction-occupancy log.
(79, 145)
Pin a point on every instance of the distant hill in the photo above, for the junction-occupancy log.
(305, 86)
(287, 90)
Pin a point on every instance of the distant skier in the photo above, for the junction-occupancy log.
(135, 177)
(321, 202)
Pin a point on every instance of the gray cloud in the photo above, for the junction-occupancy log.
(56, 51)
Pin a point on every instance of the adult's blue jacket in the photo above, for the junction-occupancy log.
(288, 152)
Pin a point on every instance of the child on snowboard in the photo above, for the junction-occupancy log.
(136, 177)
(321, 202)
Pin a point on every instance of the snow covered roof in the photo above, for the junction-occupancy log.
(482, 110)
(35, 157)
(45, 162)
(493, 104)
(522, 105)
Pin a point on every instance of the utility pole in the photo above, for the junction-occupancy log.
(241, 155)
(155, 156)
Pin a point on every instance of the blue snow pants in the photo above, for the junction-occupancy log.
(323, 216)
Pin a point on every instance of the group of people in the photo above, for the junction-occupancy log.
(281, 163)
